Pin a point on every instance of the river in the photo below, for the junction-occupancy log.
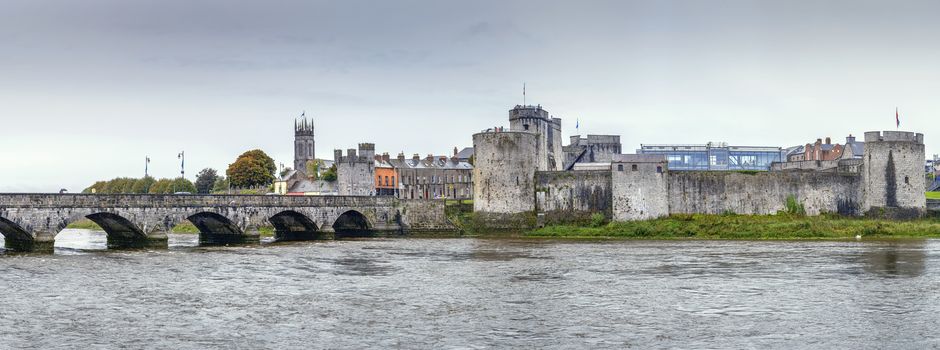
(465, 293)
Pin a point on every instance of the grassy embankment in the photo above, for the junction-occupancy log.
(780, 226)
(185, 227)
(933, 195)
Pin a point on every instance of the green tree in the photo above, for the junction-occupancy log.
(162, 186)
(182, 185)
(330, 174)
(143, 185)
(205, 180)
(252, 168)
(97, 187)
(313, 170)
(221, 185)
(285, 171)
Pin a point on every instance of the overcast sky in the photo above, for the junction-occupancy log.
(89, 88)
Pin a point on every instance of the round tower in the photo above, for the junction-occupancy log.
(893, 171)
(304, 150)
(504, 172)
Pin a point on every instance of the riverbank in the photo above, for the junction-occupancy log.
(771, 227)
(185, 227)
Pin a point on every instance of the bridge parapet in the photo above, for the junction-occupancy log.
(43, 200)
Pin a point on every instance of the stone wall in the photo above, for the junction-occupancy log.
(424, 215)
(711, 192)
(355, 173)
(893, 173)
(572, 196)
(639, 187)
(503, 172)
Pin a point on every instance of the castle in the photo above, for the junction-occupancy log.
(514, 178)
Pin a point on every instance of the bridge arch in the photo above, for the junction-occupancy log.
(216, 229)
(13, 231)
(121, 232)
(353, 223)
(291, 225)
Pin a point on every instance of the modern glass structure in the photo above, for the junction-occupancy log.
(715, 156)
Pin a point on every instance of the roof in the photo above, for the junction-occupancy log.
(858, 148)
(465, 153)
(639, 158)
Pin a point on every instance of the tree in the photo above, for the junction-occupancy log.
(97, 187)
(313, 169)
(205, 180)
(162, 186)
(143, 185)
(221, 185)
(285, 171)
(182, 185)
(252, 168)
(330, 174)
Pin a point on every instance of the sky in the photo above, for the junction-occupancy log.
(89, 89)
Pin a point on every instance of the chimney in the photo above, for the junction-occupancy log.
(416, 157)
(385, 157)
(455, 151)
(850, 139)
(828, 140)
(818, 141)
(429, 158)
(401, 156)
(443, 159)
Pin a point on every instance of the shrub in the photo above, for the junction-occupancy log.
(598, 220)
(794, 207)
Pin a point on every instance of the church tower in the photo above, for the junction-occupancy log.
(303, 144)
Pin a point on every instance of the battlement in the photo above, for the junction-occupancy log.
(894, 136)
(536, 112)
(365, 153)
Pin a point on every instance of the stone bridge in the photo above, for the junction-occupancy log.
(30, 222)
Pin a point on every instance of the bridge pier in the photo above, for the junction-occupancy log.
(251, 236)
(157, 240)
(41, 243)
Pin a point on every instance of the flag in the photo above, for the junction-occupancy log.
(577, 123)
(523, 89)
(897, 118)
(303, 113)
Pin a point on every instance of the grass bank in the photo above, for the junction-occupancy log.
(933, 195)
(750, 227)
(185, 227)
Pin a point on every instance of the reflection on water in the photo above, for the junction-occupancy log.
(896, 258)
(473, 293)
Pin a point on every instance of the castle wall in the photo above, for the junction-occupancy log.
(639, 194)
(709, 192)
(572, 196)
(504, 170)
(892, 173)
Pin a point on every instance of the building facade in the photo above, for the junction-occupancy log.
(433, 177)
(386, 177)
(715, 156)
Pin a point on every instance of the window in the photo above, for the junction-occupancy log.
(386, 181)
(525, 126)
(659, 169)
(907, 180)
(633, 167)
(619, 167)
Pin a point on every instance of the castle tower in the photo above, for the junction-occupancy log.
(535, 119)
(304, 150)
(893, 172)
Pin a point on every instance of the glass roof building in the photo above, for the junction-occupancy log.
(715, 156)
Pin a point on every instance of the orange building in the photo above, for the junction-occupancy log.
(386, 177)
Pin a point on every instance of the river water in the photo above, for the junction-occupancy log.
(473, 294)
